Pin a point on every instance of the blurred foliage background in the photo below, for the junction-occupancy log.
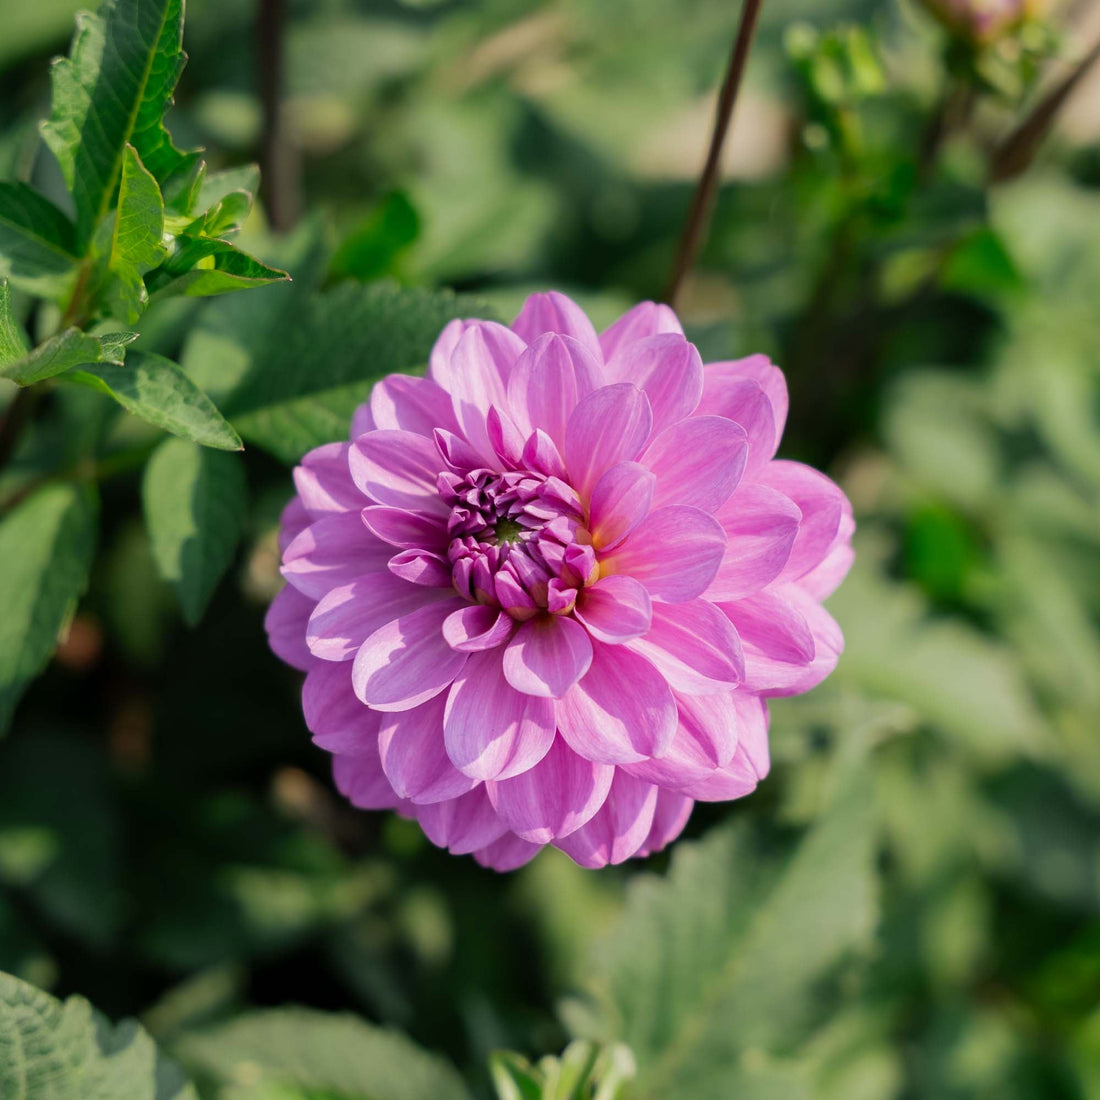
(171, 846)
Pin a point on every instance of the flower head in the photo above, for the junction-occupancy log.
(542, 594)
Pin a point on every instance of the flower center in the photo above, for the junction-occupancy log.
(518, 540)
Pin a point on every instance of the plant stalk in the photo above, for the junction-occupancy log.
(702, 203)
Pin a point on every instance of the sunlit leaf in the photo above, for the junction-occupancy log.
(71, 348)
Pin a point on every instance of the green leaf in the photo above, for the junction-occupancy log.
(308, 370)
(112, 91)
(37, 241)
(46, 545)
(514, 1077)
(194, 501)
(339, 1054)
(65, 1050)
(13, 344)
(68, 349)
(136, 243)
(217, 185)
(201, 267)
(374, 247)
(722, 957)
(158, 391)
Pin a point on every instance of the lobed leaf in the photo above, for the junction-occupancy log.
(65, 1050)
(157, 390)
(37, 241)
(46, 546)
(136, 242)
(61, 353)
(331, 1054)
(112, 91)
(722, 957)
(194, 500)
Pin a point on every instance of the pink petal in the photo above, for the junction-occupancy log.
(406, 403)
(421, 567)
(621, 711)
(415, 762)
(505, 439)
(491, 730)
(752, 731)
(477, 627)
(730, 395)
(547, 656)
(362, 420)
(822, 504)
(293, 520)
(620, 501)
(455, 451)
(439, 361)
(760, 525)
(344, 618)
(335, 717)
(399, 469)
(767, 674)
(480, 366)
(694, 647)
(507, 854)
(406, 662)
(706, 739)
(323, 481)
(698, 462)
(669, 818)
(554, 312)
(735, 780)
(285, 623)
(462, 825)
(360, 779)
(675, 552)
(542, 455)
(667, 369)
(772, 627)
(620, 827)
(407, 530)
(644, 319)
(333, 552)
(554, 798)
(610, 425)
(548, 380)
(753, 393)
(615, 609)
(822, 581)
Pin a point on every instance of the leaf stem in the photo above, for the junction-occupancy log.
(277, 159)
(702, 203)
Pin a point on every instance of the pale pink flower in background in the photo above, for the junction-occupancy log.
(983, 20)
(542, 595)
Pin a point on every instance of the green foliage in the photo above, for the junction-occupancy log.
(722, 956)
(157, 390)
(194, 499)
(46, 545)
(37, 242)
(299, 1053)
(54, 1050)
(584, 1071)
(65, 351)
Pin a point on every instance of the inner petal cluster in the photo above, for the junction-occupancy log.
(517, 541)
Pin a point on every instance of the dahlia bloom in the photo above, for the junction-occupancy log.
(542, 595)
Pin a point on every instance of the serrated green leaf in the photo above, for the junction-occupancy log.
(113, 90)
(308, 370)
(68, 349)
(136, 242)
(194, 500)
(65, 1050)
(46, 545)
(37, 241)
(224, 218)
(157, 390)
(723, 955)
(201, 268)
(13, 344)
(320, 1051)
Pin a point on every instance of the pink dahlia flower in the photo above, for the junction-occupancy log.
(983, 20)
(543, 593)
